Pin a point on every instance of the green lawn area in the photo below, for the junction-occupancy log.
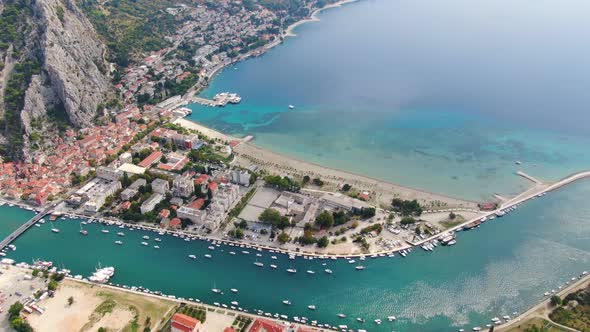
(536, 325)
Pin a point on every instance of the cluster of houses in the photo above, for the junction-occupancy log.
(212, 33)
(49, 173)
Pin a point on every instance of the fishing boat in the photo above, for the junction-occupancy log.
(378, 321)
(158, 239)
(55, 230)
(360, 320)
(311, 307)
(83, 231)
(391, 318)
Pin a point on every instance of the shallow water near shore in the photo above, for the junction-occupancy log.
(504, 266)
(422, 94)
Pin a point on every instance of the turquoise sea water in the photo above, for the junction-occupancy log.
(504, 266)
(443, 96)
(11, 217)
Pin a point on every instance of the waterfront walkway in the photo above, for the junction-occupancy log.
(23, 228)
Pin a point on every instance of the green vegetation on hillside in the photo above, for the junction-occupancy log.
(129, 26)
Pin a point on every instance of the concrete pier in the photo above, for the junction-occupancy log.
(528, 177)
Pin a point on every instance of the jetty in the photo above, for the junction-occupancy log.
(528, 177)
(538, 190)
(23, 228)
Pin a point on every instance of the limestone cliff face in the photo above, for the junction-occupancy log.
(73, 58)
(64, 79)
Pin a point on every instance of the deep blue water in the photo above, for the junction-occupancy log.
(504, 266)
(443, 96)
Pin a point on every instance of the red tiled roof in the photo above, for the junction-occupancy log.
(175, 222)
(180, 327)
(197, 204)
(212, 186)
(149, 160)
(262, 325)
(185, 320)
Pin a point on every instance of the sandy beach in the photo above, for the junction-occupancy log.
(382, 192)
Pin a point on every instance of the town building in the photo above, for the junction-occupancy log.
(241, 177)
(263, 325)
(160, 186)
(151, 203)
(108, 173)
(183, 186)
(153, 158)
(125, 158)
(197, 216)
(184, 323)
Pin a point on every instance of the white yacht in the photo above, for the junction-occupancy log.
(286, 302)
(192, 256)
(291, 270)
(118, 242)
(258, 264)
(328, 271)
(55, 230)
(311, 307)
(360, 267)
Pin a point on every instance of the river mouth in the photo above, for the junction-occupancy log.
(502, 267)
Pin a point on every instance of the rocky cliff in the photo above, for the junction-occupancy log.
(67, 80)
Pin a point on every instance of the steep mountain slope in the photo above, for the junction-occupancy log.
(54, 73)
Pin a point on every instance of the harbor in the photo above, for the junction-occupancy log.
(440, 272)
(219, 100)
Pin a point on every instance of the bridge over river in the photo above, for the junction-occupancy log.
(23, 228)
